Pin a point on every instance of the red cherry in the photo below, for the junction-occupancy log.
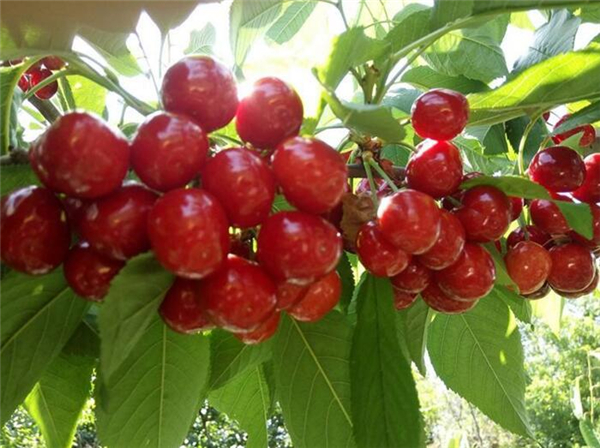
(168, 151)
(364, 188)
(239, 297)
(528, 265)
(312, 175)
(243, 184)
(452, 202)
(403, 299)
(75, 209)
(436, 168)
(584, 292)
(547, 216)
(587, 138)
(183, 308)
(572, 267)
(320, 298)
(546, 116)
(440, 114)
(533, 233)
(485, 214)
(201, 88)
(558, 169)
(115, 225)
(471, 277)
(271, 113)
(595, 241)
(79, 155)
(377, 254)
(439, 301)
(539, 294)
(37, 75)
(289, 294)
(590, 190)
(24, 82)
(239, 247)
(516, 207)
(298, 247)
(265, 331)
(410, 220)
(89, 272)
(53, 63)
(448, 245)
(413, 279)
(34, 233)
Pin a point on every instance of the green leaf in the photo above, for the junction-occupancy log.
(479, 356)
(9, 77)
(38, 316)
(410, 24)
(495, 140)
(427, 78)
(84, 342)
(291, 21)
(502, 277)
(157, 390)
(415, 323)
(402, 100)
(344, 269)
(202, 41)
(57, 400)
(514, 131)
(312, 371)
(472, 152)
(590, 14)
(587, 432)
(385, 405)
(587, 115)
(87, 94)
(511, 186)
(113, 48)
(520, 306)
(550, 311)
(13, 177)
(230, 357)
(579, 217)
(128, 309)
(246, 399)
(446, 11)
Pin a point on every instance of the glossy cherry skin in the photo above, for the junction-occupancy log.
(75, 209)
(414, 279)
(587, 137)
(89, 272)
(485, 214)
(298, 247)
(53, 63)
(410, 220)
(201, 88)
(528, 264)
(243, 183)
(471, 277)
(115, 225)
(80, 156)
(584, 292)
(590, 190)
(539, 294)
(448, 246)
(240, 296)
(436, 168)
(403, 299)
(37, 75)
(320, 298)
(557, 168)
(189, 232)
(572, 267)
(183, 308)
(168, 151)
(34, 233)
(516, 207)
(265, 331)
(547, 216)
(439, 301)
(440, 114)
(378, 255)
(312, 175)
(271, 113)
(289, 294)
(24, 82)
(534, 234)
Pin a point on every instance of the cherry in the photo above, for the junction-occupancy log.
(289, 294)
(587, 138)
(89, 272)
(557, 168)
(37, 75)
(183, 308)
(201, 88)
(471, 277)
(377, 254)
(590, 189)
(547, 216)
(312, 175)
(403, 299)
(320, 298)
(448, 246)
(75, 209)
(546, 116)
(364, 188)
(572, 267)
(485, 213)
(271, 113)
(414, 279)
(24, 82)
(188, 230)
(440, 114)
(436, 168)
(410, 220)
(34, 233)
(243, 184)
(451, 202)
(595, 241)
(437, 300)
(239, 297)
(516, 207)
(53, 63)
(115, 225)
(80, 156)
(528, 265)
(539, 294)
(265, 331)
(168, 151)
(584, 292)
(298, 247)
(529, 233)
(240, 247)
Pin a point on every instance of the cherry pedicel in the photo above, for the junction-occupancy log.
(587, 137)
(80, 156)
(378, 255)
(439, 301)
(188, 231)
(529, 233)
(201, 88)
(558, 168)
(440, 114)
(485, 213)
(168, 151)
(572, 267)
(265, 331)
(34, 233)
(320, 298)
(590, 190)
(403, 299)
(528, 264)
(414, 279)
(448, 246)
(183, 308)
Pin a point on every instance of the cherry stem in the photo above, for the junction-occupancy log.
(358, 171)
(372, 185)
(521, 157)
(383, 174)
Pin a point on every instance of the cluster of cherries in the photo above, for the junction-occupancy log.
(438, 252)
(37, 73)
